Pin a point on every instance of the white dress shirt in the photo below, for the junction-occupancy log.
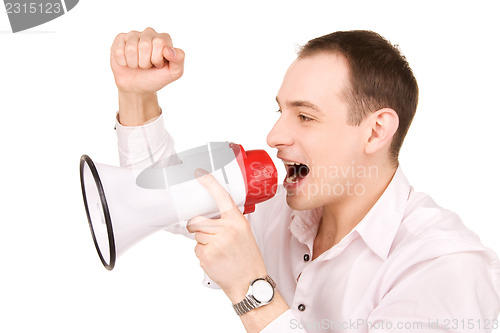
(408, 266)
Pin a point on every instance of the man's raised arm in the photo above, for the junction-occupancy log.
(143, 63)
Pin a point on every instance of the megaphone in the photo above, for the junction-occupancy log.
(125, 205)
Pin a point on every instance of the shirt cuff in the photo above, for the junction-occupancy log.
(286, 322)
(142, 146)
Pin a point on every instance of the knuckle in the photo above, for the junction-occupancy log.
(130, 48)
(144, 45)
(120, 36)
(119, 53)
(157, 41)
(132, 35)
(165, 37)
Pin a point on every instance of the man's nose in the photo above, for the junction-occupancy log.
(280, 134)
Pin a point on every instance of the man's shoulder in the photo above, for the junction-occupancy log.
(423, 218)
(429, 231)
(434, 242)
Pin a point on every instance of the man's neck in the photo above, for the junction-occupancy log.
(341, 217)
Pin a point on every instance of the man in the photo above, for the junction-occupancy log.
(354, 247)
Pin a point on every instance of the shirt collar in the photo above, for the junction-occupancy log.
(304, 225)
(377, 229)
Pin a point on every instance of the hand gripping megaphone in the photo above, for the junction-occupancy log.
(124, 205)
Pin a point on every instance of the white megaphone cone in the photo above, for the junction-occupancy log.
(124, 206)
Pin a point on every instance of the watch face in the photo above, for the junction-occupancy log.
(262, 291)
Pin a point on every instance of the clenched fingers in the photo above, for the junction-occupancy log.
(141, 49)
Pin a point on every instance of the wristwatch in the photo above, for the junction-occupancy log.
(260, 293)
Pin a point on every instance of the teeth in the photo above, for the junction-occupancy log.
(291, 179)
(291, 163)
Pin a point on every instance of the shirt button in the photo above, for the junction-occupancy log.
(306, 257)
(302, 307)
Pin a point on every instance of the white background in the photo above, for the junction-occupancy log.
(58, 101)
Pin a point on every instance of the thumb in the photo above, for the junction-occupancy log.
(175, 58)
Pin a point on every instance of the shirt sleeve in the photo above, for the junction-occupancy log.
(452, 293)
(141, 146)
(286, 322)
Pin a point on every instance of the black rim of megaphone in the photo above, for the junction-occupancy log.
(111, 239)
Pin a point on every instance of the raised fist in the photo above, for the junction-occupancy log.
(144, 62)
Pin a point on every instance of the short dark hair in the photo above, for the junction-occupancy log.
(380, 77)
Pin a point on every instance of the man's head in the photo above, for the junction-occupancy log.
(379, 77)
(347, 103)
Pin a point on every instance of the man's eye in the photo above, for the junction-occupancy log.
(304, 118)
(279, 111)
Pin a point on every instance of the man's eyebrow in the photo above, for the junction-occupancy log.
(305, 104)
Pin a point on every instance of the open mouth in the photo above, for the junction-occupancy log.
(295, 172)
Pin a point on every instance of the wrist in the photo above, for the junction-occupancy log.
(237, 294)
(260, 293)
(239, 290)
(135, 109)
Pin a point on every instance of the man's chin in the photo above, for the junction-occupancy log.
(299, 202)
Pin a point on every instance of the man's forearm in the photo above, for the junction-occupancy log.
(137, 109)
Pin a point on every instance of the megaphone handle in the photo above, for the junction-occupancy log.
(207, 282)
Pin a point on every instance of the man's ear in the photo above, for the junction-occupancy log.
(381, 126)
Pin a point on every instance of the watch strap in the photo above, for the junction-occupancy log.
(249, 303)
(271, 281)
